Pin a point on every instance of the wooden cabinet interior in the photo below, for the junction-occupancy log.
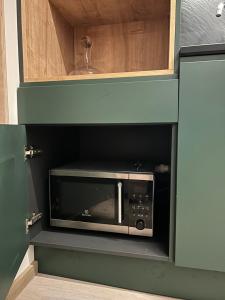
(130, 38)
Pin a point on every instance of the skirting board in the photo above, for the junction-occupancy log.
(21, 281)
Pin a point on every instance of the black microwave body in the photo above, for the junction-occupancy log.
(119, 201)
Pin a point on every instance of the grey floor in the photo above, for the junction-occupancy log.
(44, 287)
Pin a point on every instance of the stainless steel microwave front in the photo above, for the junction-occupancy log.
(102, 174)
(118, 202)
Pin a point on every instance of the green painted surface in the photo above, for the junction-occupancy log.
(136, 274)
(100, 103)
(13, 205)
(200, 222)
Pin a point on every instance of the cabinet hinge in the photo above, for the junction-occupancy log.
(30, 152)
(31, 221)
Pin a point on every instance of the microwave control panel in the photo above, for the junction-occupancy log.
(140, 211)
(141, 207)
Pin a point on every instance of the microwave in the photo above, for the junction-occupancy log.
(116, 198)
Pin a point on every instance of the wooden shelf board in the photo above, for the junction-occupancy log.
(100, 12)
(103, 76)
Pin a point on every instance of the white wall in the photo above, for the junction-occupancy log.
(28, 259)
(12, 64)
(12, 61)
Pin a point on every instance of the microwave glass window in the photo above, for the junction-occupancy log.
(87, 200)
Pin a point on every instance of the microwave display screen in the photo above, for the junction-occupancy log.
(83, 199)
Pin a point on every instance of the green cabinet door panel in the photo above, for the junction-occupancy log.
(13, 205)
(141, 102)
(143, 275)
(200, 221)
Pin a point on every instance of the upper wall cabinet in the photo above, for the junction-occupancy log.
(199, 24)
(83, 39)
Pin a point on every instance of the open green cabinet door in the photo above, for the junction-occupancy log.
(13, 204)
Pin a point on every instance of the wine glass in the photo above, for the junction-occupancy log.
(87, 68)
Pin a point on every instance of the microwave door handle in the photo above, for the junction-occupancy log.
(119, 202)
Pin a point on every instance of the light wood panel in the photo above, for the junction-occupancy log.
(3, 72)
(47, 41)
(104, 76)
(142, 45)
(22, 281)
(56, 288)
(126, 47)
(96, 12)
(172, 37)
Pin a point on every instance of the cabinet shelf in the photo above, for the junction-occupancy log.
(61, 145)
(105, 244)
(129, 38)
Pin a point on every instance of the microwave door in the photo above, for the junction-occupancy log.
(91, 203)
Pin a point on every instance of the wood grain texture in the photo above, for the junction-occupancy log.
(98, 12)
(56, 288)
(47, 41)
(199, 24)
(172, 34)
(104, 76)
(126, 47)
(3, 74)
(22, 281)
(143, 45)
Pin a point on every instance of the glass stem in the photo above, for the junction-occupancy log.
(87, 57)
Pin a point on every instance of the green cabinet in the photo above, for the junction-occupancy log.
(13, 204)
(200, 219)
(117, 102)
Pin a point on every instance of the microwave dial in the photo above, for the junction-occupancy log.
(140, 224)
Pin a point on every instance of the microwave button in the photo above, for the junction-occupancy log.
(140, 207)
